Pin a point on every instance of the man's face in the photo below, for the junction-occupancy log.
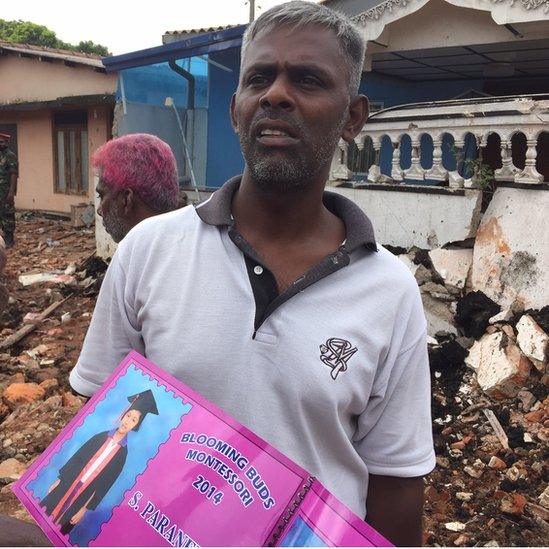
(109, 211)
(291, 105)
(3, 144)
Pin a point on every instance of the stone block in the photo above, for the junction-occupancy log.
(533, 341)
(12, 469)
(22, 393)
(452, 265)
(501, 369)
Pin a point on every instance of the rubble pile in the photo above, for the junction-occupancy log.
(488, 368)
(490, 409)
(52, 270)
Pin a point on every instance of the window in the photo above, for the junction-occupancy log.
(71, 152)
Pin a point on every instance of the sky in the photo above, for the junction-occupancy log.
(125, 26)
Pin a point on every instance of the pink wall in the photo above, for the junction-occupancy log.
(36, 159)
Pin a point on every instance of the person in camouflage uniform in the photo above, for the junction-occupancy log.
(8, 189)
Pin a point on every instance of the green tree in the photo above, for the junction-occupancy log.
(26, 32)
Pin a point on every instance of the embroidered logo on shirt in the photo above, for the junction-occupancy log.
(335, 353)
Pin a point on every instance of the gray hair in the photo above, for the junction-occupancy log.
(300, 13)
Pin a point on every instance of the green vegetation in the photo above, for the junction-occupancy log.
(25, 32)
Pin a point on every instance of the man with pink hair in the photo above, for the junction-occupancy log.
(137, 179)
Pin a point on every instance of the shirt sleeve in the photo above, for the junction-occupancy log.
(114, 331)
(394, 432)
(13, 167)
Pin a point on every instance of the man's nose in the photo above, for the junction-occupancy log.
(99, 210)
(278, 95)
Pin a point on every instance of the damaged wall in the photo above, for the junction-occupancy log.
(510, 262)
(422, 219)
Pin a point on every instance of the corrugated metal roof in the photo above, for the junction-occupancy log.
(68, 56)
(201, 30)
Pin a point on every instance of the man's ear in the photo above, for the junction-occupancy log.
(358, 114)
(234, 123)
(126, 200)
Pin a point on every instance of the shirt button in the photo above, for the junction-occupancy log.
(258, 269)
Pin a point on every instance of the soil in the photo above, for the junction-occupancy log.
(501, 507)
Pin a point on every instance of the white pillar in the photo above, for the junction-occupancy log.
(415, 172)
(396, 171)
(508, 170)
(530, 174)
(374, 173)
(437, 171)
(339, 163)
(455, 179)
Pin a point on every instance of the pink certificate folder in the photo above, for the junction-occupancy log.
(149, 462)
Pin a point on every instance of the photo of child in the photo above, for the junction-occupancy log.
(87, 477)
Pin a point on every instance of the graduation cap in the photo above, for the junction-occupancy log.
(142, 402)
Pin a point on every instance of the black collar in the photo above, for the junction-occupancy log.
(359, 230)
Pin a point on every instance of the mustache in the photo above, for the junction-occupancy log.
(269, 114)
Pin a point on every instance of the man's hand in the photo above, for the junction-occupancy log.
(77, 517)
(395, 509)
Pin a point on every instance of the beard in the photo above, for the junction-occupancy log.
(283, 170)
(115, 226)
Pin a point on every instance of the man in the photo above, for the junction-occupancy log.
(272, 298)
(137, 179)
(8, 189)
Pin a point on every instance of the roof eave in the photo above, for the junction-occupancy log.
(196, 45)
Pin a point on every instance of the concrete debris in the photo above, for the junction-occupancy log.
(439, 316)
(497, 463)
(11, 469)
(533, 342)
(55, 278)
(501, 369)
(455, 526)
(502, 316)
(423, 275)
(513, 504)
(527, 400)
(405, 258)
(544, 498)
(452, 266)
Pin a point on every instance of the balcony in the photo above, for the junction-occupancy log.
(464, 143)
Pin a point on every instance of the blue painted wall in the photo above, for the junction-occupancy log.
(224, 156)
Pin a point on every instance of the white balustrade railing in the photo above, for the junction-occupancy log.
(504, 116)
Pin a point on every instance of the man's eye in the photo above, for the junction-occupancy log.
(257, 80)
(309, 81)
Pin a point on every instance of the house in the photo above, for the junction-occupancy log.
(58, 106)
(433, 50)
(459, 89)
(417, 51)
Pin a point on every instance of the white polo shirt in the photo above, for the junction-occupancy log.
(333, 372)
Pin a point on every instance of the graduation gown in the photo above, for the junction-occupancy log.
(95, 490)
